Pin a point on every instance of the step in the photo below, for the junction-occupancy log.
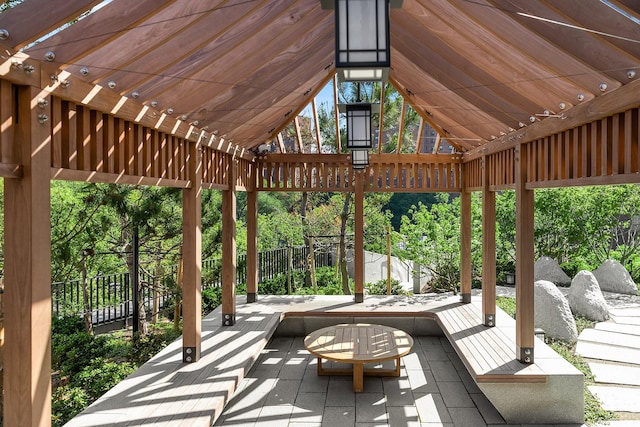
(619, 328)
(617, 399)
(610, 338)
(615, 374)
(626, 312)
(626, 320)
(592, 350)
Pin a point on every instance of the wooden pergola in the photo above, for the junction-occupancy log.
(532, 94)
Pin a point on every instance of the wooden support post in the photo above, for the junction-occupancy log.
(488, 249)
(465, 246)
(524, 260)
(229, 248)
(252, 246)
(358, 246)
(192, 258)
(27, 268)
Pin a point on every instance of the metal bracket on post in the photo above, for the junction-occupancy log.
(359, 297)
(465, 298)
(188, 354)
(229, 319)
(251, 297)
(526, 355)
(490, 320)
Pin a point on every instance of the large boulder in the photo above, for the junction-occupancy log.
(585, 297)
(613, 277)
(548, 269)
(552, 312)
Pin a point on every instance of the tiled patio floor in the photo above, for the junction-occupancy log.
(434, 389)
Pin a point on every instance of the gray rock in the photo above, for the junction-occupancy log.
(585, 297)
(613, 277)
(552, 312)
(548, 269)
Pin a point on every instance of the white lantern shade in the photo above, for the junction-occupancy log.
(359, 126)
(362, 33)
(360, 159)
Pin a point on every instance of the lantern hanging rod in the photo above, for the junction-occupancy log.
(331, 4)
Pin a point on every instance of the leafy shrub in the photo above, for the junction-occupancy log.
(145, 347)
(211, 298)
(70, 353)
(573, 266)
(102, 375)
(67, 325)
(380, 288)
(67, 402)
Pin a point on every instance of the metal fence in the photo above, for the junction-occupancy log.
(111, 299)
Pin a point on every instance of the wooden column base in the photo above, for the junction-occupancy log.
(228, 319)
(525, 355)
(490, 320)
(190, 354)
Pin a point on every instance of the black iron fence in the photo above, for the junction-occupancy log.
(110, 296)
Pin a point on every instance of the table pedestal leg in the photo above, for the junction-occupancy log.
(358, 377)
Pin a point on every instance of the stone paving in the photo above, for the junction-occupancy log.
(434, 390)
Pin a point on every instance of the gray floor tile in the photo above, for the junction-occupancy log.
(455, 395)
(340, 393)
(444, 371)
(431, 408)
(309, 407)
(339, 416)
(422, 382)
(312, 382)
(403, 416)
(487, 410)
(398, 391)
(371, 408)
(466, 417)
(284, 392)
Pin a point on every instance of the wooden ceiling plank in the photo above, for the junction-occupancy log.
(264, 89)
(490, 54)
(97, 30)
(441, 102)
(487, 94)
(41, 17)
(252, 133)
(153, 44)
(511, 31)
(194, 44)
(238, 44)
(268, 70)
(583, 45)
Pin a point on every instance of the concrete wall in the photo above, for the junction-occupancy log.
(409, 275)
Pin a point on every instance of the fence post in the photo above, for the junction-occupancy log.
(135, 281)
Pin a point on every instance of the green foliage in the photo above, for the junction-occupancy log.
(67, 325)
(144, 347)
(67, 402)
(211, 298)
(101, 375)
(508, 305)
(401, 203)
(380, 288)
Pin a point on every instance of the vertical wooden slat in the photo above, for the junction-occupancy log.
(97, 140)
(56, 130)
(147, 161)
(627, 141)
(614, 143)
(138, 155)
(83, 128)
(68, 135)
(252, 245)
(605, 141)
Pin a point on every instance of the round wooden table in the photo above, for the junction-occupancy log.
(358, 344)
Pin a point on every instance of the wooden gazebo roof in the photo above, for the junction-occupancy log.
(475, 70)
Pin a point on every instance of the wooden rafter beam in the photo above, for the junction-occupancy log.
(420, 136)
(403, 112)
(617, 101)
(316, 124)
(337, 113)
(296, 124)
(383, 86)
